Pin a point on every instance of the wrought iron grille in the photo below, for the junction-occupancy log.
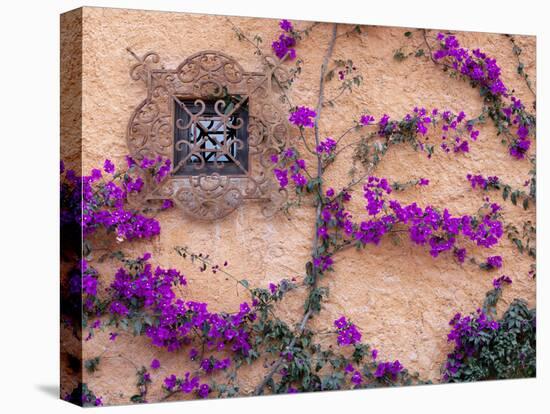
(209, 140)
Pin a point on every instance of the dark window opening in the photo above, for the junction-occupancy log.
(209, 144)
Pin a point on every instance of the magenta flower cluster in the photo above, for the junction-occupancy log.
(426, 225)
(464, 333)
(188, 384)
(476, 65)
(453, 128)
(286, 42)
(391, 369)
(289, 161)
(483, 71)
(286, 26)
(282, 177)
(83, 282)
(501, 281)
(303, 116)
(98, 201)
(374, 191)
(348, 334)
(158, 167)
(441, 230)
(326, 147)
(513, 113)
(334, 217)
(366, 120)
(212, 364)
(153, 291)
(139, 289)
(519, 148)
(494, 262)
(482, 182)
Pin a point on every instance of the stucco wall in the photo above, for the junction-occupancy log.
(399, 296)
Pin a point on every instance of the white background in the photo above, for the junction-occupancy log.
(29, 99)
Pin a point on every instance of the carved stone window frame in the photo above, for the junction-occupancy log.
(209, 75)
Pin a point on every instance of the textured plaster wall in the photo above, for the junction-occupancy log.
(399, 296)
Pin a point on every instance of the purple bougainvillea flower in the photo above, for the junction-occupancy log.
(302, 117)
(357, 378)
(130, 162)
(347, 332)
(502, 280)
(388, 368)
(519, 148)
(89, 285)
(170, 382)
(301, 164)
(284, 46)
(108, 167)
(460, 255)
(494, 262)
(281, 176)
(204, 390)
(166, 204)
(286, 25)
(299, 180)
(327, 146)
(476, 65)
(366, 120)
(323, 262)
(96, 174)
(134, 186)
(146, 163)
(155, 364)
(322, 232)
(118, 308)
(289, 153)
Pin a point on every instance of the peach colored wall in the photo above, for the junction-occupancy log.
(399, 296)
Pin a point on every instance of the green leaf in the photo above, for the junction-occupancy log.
(519, 244)
(137, 327)
(399, 55)
(520, 68)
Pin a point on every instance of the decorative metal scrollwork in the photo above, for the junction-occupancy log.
(219, 150)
